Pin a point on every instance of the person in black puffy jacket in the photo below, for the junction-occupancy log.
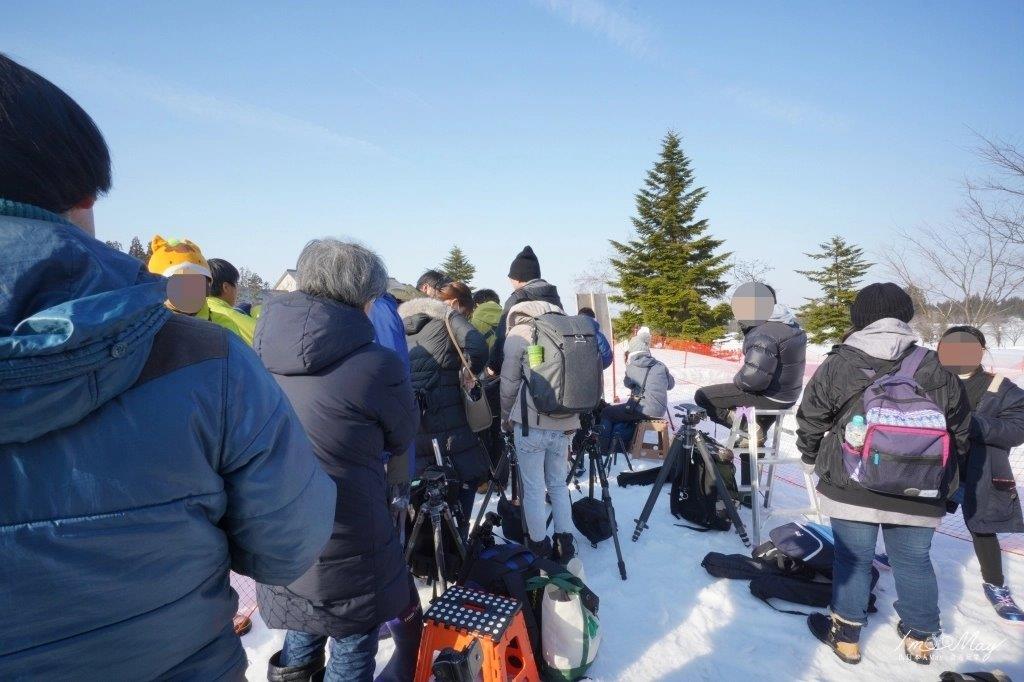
(990, 497)
(353, 397)
(774, 356)
(435, 364)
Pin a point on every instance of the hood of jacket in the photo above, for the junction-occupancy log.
(522, 312)
(418, 312)
(540, 290)
(302, 334)
(782, 313)
(487, 314)
(77, 320)
(642, 359)
(885, 339)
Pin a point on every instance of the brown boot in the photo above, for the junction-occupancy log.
(842, 636)
(918, 650)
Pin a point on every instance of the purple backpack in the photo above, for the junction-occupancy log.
(906, 449)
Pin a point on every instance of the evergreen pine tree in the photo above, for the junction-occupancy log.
(669, 274)
(457, 266)
(115, 245)
(827, 317)
(136, 250)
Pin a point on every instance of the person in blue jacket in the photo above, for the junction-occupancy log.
(143, 454)
(603, 347)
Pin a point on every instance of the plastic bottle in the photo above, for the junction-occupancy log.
(856, 432)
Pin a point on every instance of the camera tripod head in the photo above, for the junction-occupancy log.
(690, 414)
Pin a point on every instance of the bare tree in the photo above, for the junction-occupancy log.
(965, 273)
(996, 201)
(594, 280)
(745, 270)
(1013, 330)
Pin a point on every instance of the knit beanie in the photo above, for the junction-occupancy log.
(525, 267)
(177, 256)
(877, 301)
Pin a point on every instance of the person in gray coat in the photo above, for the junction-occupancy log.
(772, 375)
(649, 382)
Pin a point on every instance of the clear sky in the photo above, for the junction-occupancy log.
(253, 127)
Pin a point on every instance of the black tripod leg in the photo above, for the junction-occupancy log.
(410, 542)
(674, 453)
(499, 471)
(453, 530)
(606, 497)
(723, 491)
(439, 555)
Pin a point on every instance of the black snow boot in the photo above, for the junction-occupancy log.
(565, 548)
(298, 673)
(541, 549)
(842, 636)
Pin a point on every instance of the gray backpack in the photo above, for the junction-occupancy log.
(569, 381)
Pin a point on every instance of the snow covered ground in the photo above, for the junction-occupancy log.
(672, 621)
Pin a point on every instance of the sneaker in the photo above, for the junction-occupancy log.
(842, 636)
(917, 650)
(1003, 603)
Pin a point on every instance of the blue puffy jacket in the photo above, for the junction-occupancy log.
(390, 333)
(142, 455)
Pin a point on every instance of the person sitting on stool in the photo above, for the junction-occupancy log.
(774, 354)
(649, 382)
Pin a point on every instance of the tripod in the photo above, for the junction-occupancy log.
(507, 462)
(680, 454)
(589, 449)
(436, 508)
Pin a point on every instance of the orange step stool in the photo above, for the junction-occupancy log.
(644, 450)
(462, 615)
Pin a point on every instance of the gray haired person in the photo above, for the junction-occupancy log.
(354, 399)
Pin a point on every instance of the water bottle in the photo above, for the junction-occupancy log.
(856, 432)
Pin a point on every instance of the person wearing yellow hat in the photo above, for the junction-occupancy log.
(182, 262)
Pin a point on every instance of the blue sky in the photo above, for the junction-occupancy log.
(253, 127)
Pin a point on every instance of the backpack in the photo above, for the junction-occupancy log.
(694, 495)
(569, 380)
(907, 446)
(797, 548)
(590, 516)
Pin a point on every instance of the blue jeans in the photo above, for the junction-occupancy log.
(353, 658)
(543, 466)
(909, 548)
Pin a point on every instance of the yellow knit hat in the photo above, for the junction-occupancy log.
(175, 257)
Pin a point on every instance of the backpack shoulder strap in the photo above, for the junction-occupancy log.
(912, 362)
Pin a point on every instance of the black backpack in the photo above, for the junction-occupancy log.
(694, 495)
(590, 516)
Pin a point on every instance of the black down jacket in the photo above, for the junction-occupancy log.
(354, 400)
(774, 356)
(434, 364)
(534, 290)
(839, 383)
(991, 498)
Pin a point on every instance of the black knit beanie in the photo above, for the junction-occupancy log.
(877, 301)
(525, 267)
